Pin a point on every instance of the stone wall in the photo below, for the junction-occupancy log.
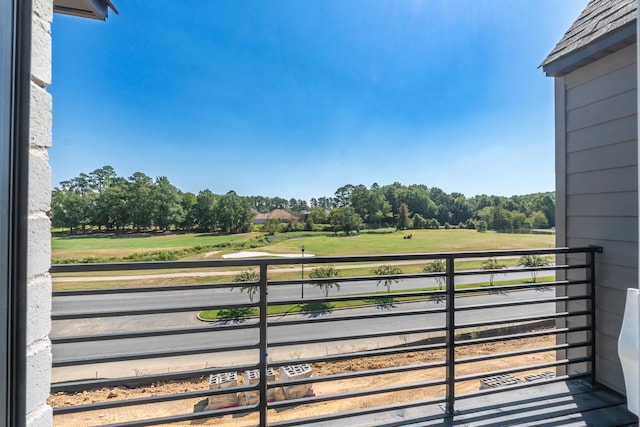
(39, 239)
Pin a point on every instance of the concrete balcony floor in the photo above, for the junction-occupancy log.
(571, 403)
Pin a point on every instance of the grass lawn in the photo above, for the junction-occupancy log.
(381, 297)
(422, 241)
(284, 273)
(318, 243)
(124, 245)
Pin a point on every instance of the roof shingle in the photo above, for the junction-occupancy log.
(598, 19)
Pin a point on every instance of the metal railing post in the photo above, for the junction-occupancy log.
(591, 260)
(263, 344)
(450, 337)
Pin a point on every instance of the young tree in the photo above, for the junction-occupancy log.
(404, 221)
(388, 271)
(248, 276)
(325, 272)
(492, 264)
(308, 224)
(533, 261)
(437, 266)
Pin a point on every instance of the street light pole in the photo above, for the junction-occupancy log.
(302, 283)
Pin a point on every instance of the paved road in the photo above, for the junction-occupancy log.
(398, 325)
(151, 300)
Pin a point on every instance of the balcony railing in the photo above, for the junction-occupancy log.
(467, 337)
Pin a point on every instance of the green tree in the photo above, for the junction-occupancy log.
(437, 266)
(345, 219)
(309, 224)
(102, 178)
(110, 206)
(418, 200)
(378, 208)
(233, 213)
(539, 220)
(433, 224)
(419, 222)
(404, 221)
(250, 277)
(272, 226)
(67, 209)
(496, 217)
(327, 272)
(492, 264)
(168, 207)
(189, 200)
(388, 271)
(342, 196)
(533, 261)
(359, 201)
(546, 204)
(141, 200)
(519, 221)
(81, 204)
(318, 215)
(202, 213)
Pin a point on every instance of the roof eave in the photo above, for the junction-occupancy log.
(94, 9)
(616, 40)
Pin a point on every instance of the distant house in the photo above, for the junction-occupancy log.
(303, 216)
(281, 214)
(594, 68)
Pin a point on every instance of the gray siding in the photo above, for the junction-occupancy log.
(597, 186)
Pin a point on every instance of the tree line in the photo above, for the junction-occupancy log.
(101, 199)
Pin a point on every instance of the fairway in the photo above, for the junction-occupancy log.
(422, 241)
(291, 243)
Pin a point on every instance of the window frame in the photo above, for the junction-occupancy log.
(15, 63)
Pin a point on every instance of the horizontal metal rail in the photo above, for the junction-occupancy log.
(522, 368)
(503, 355)
(521, 319)
(152, 333)
(152, 355)
(73, 386)
(442, 339)
(356, 337)
(359, 374)
(361, 354)
(352, 394)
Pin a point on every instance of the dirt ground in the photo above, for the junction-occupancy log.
(323, 388)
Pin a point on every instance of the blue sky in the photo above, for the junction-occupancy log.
(297, 98)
